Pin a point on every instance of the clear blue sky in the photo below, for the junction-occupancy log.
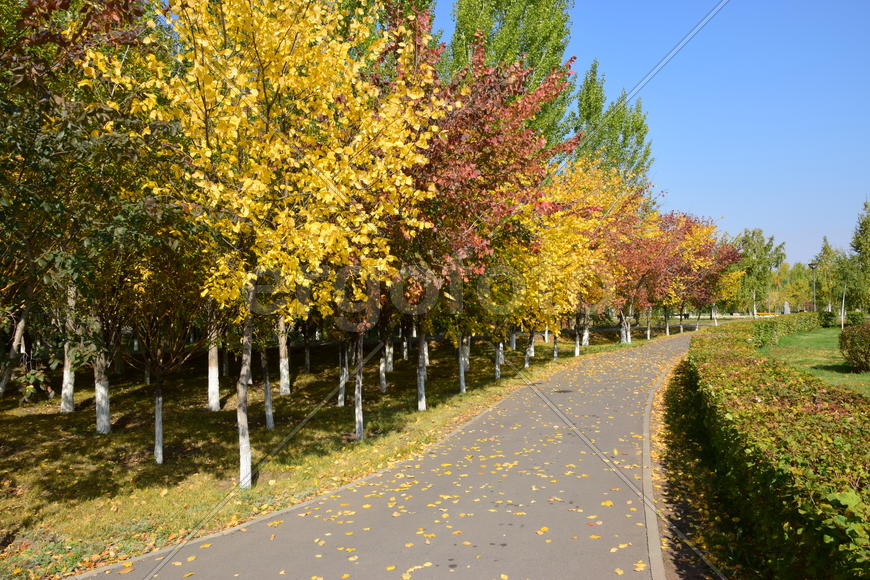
(761, 121)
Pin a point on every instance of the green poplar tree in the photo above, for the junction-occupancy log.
(534, 31)
(614, 134)
(861, 247)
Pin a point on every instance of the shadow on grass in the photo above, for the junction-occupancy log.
(57, 469)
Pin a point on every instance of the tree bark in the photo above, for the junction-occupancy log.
(556, 344)
(343, 372)
(667, 322)
(576, 339)
(68, 382)
(101, 391)
(214, 383)
(267, 389)
(14, 350)
(513, 339)
(461, 351)
(382, 372)
(649, 323)
(389, 350)
(357, 392)
(546, 333)
(421, 371)
(843, 310)
(245, 474)
(307, 339)
(530, 349)
(158, 421)
(499, 359)
(283, 358)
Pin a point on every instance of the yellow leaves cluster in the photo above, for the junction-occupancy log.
(294, 156)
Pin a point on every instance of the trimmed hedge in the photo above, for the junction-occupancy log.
(853, 318)
(791, 453)
(855, 346)
(828, 319)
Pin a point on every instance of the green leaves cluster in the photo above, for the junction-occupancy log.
(790, 452)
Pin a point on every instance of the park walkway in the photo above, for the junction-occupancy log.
(516, 493)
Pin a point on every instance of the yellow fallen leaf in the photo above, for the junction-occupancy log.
(594, 537)
(202, 547)
(619, 571)
(639, 566)
(390, 568)
(188, 575)
(191, 558)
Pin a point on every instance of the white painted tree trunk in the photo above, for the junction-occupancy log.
(357, 392)
(698, 320)
(283, 358)
(214, 382)
(413, 330)
(343, 371)
(681, 320)
(576, 340)
(421, 372)
(556, 345)
(101, 391)
(499, 359)
(530, 349)
(382, 372)
(625, 327)
(546, 333)
(389, 351)
(513, 339)
(461, 352)
(158, 422)
(267, 389)
(667, 322)
(68, 381)
(843, 310)
(245, 473)
(404, 348)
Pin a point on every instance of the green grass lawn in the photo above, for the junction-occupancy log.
(71, 499)
(818, 353)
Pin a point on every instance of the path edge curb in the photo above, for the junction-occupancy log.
(653, 534)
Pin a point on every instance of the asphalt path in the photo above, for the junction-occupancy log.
(547, 484)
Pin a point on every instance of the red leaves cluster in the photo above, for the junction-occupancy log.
(489, 164)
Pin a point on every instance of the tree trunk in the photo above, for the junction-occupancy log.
(698, 320)
(530, 349)
(713, 315)
(681, 319)
(421, 372)
(461, 351)
(425, 347)
(68, 382)
(649, 322)
(343, 371)
(404, 346)
(843, 310)
(556, 344)
(389, 345)
(576, 339)
(14, 350)
(499, 359)
(382, 372)
(307, 340)
(158, 421)
(546, 333)
(267, 389)
(357, 392)
(245, 474)
(624, 328)
(214, 384)
(283, 358)
(226, 362)
(101, 391)
(513, 339)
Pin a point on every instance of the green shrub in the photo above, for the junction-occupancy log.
(853, 318)
(828, 319)
(790, 452)
(855, 346)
